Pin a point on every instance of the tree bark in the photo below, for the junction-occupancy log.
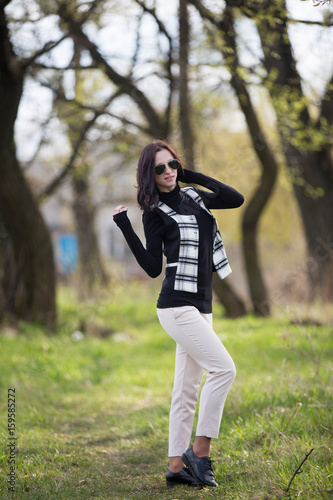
(234, 306)
(7, 270)
(3, 240)
(185, 115)
(306, 143)
(255, 207)
(32, 295)
(91, 271)
(307, 146)
(269, 168)
(232, 303)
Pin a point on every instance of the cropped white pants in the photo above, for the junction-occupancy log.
(198, 349)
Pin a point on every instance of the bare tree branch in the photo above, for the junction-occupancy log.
(41, 142)
(38, 65)
(126, 85)
(206, 13)
(170, 60)
(137, 46)
(91, 10)
(160, 25)
(102, 110)
(128, 122)
(55, 183)
(252, 8)
(323, 23)
(47, 47)
(298, 471)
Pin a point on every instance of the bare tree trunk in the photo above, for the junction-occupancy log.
(185, 115)
(33, 295)
(233, 305)
(306, 143)
(91, 271)
(8, 276)
(3, 238)
(255, 207)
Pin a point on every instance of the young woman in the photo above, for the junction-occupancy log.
(178, 223)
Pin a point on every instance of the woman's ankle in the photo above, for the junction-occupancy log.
(176, 464)
(201, 446)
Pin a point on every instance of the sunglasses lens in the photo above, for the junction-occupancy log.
(174, 164)
(159, 169)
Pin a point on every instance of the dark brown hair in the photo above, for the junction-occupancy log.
(147, 195)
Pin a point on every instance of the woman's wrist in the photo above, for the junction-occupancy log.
(121, 218)
(189, 176)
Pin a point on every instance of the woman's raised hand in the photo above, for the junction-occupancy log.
(120, 208)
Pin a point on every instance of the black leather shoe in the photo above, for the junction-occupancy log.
(200, 467)
(182, 477)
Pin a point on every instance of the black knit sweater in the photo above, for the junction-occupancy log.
(162, 233)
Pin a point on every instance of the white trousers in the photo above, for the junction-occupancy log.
(198, 349)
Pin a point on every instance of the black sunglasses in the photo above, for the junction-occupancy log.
(159, 169)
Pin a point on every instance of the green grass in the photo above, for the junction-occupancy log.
(92, 414)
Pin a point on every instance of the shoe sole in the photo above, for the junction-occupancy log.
(171, 484)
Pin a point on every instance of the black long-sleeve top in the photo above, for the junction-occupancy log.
(162, 234)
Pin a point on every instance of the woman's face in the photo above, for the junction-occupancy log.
(167, 181)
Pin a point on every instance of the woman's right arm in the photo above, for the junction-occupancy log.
(223, 196)
(150, 258)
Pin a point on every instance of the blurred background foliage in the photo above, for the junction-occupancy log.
(244, 92)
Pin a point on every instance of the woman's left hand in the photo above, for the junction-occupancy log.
(119, 209)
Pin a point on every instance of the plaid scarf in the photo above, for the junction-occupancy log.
(186, 278)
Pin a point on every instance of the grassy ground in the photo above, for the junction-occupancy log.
(91, 412)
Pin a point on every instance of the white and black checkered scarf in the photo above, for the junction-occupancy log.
(186, 278)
